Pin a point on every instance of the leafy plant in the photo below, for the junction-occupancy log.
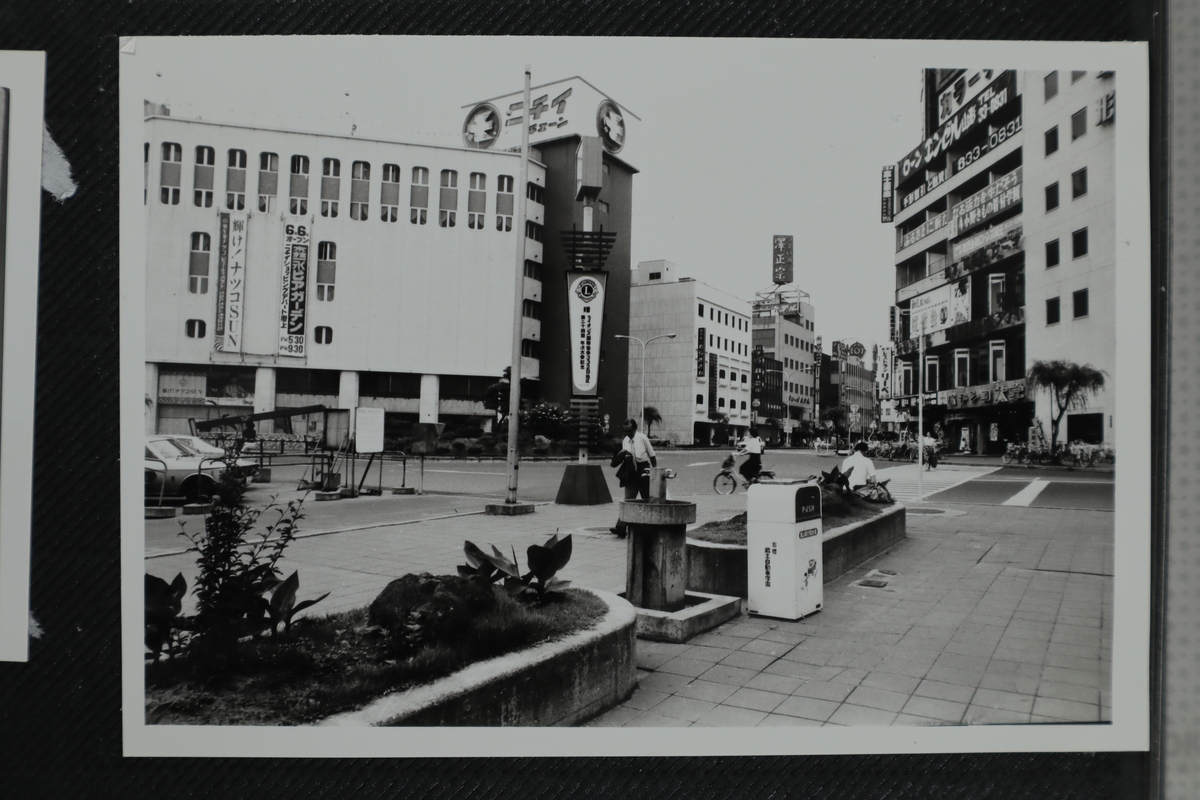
(283, 605)
(488, 568)
(163, 601)
(545, 560)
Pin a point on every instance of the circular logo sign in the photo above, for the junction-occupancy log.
(610, 124)
(481, 128)
(857, 350)
(587, 289)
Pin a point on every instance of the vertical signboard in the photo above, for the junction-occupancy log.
(585, 310)
(781, 262)
(886, 211)
(293, 296)
(701, 351)
(231, 282)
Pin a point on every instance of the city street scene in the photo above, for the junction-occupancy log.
(546, 397)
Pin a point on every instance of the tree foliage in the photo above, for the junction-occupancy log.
(1069, 384)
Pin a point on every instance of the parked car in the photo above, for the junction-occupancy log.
(175, 470)
(243, 469)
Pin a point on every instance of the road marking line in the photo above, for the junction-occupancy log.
(1028, 494)
(704, 463)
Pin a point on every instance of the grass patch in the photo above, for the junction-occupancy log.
(331, 664)
(837, 510)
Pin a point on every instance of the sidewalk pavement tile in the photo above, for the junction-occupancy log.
(783, 721)
(1078, 677)
(877, 698)
(707, 690)
(709, 653)
(716, 639)
(767, 647)
(969, 649)
(684, 708)
(944, 691)
(1072, 662)
(645, 699)
(733, 676)
(825, 690)
(775, 683)
(851, 676)
(756, 699)
(755, 661)
(680, 665)
(807, 707)
(1009, 701)
(913, 721)
(662, 682)
(782, 636)
(1016, 684)
(961, 677)
(1068, 709)
(615, 718)
(1068, 691)
(983, 715)
(730, 717)
(657, 721)
(848, 714)
(650, 660)
(891, 681)
(966, 663)
(802, 671)
(945, 710)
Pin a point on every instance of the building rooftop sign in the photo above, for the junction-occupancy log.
(997, 94)
(570, 107)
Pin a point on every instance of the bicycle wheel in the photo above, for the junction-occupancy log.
(724, 483)
(1025, 458)
(1007, 458)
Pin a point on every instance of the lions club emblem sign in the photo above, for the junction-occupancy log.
(585, 304)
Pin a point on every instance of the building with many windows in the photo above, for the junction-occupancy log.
(286, 269)
(784, 329)
(847, 389)
(700, 380)
(1005, 256)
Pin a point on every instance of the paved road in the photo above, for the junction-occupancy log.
(1036, 488)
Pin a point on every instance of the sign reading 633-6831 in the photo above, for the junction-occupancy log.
(293, 287)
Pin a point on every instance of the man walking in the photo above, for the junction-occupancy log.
(633, 466)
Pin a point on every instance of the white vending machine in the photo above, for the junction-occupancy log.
(783, 539)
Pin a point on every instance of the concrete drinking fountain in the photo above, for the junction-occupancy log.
(656, 568)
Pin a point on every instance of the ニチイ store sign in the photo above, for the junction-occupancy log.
(998, 93)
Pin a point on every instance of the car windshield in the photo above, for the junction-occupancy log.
(186, 446)
(167, 448)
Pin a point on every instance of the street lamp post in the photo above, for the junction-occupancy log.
(644, 344)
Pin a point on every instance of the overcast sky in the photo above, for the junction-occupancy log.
(738, 139)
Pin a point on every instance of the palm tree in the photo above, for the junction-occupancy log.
(651, 415)
(1069, 384)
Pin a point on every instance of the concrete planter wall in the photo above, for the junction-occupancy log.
(721, 568)
(558, 683)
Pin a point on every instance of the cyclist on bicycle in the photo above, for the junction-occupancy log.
(752, 447)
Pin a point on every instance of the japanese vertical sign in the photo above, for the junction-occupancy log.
(781, 261)
(701, 352)
(886, 209)
(293, 295)
(231, 282)
(585, 309)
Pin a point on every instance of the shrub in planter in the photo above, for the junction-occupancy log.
(540, 582)
(459, 447)
(475, 449)
(417, 609)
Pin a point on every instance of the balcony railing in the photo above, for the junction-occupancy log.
(973, 329)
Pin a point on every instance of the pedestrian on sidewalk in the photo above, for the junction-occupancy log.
(930, 446)
(633, 464)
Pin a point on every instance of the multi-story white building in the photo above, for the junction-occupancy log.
(699, 380)
(784, 327)
(1004, 251)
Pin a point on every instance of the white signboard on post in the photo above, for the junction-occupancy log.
(585, 308)
(293, 295)
(368, 430)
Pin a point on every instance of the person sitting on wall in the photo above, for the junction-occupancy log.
(633, 463)
(860, 468)
(752, 447)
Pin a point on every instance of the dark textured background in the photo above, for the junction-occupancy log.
(60, 724)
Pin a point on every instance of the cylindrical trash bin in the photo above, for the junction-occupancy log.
(783, 539)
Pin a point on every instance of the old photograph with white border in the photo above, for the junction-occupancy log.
(768, 391)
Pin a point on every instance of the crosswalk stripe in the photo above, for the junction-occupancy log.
(908, 483)
(1028, 494)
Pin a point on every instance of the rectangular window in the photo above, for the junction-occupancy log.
(169, 176)
(533, 270)
(1079, 183)
(1080, 302)
(331, 186)
(906, 379)
(931, 374)
(268, 181)
(996, 361)
(389, 193)
(1076, 74)
(701, 311)
(962, 368)
(531, 309)
(323, 334)
(448, 200)
(533, 231)
(298, 187)
(418, 197)
(504, 202)
(603, 206)
(194, 328)
(534, 192)
(476, 199)
(235, 181)
(530, 348)
(1079, 123)
(995, 293)
(360, 190)
(1052, 311)
(198, 263)
(1050, 85)
(326, 270)
(202, 180)
(1079, 243)
(1052, 140)
(1052, 255)
(1052, 196)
